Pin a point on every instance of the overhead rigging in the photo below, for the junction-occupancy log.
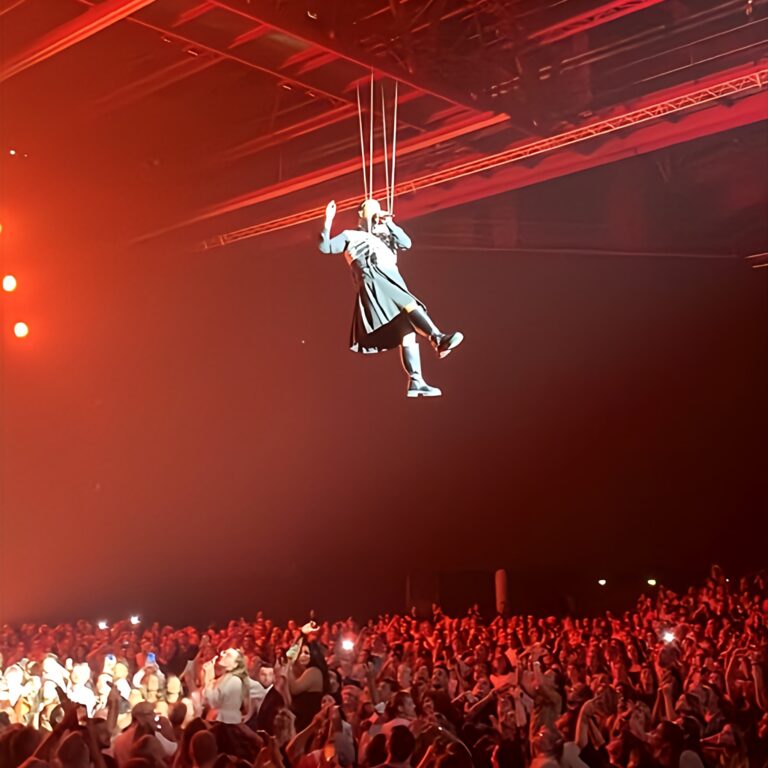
(390, 158)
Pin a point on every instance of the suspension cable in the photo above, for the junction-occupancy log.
(394, 155)
(384, 136)
(362, 141)
(370, 175)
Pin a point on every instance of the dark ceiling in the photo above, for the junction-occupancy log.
(215, 116)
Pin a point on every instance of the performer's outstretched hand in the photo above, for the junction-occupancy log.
(330, 211)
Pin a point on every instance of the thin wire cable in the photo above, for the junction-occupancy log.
(370, 175)
(384, 136)
(394, 154)
(362, 141)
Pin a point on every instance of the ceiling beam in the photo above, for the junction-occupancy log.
(483, 163)
(758, 260)
(405, 148)
(156, 81)
(307, 181)
(9, 5)
(70, 33)
(227, 54)
(193, 13)
(281, 77)
(602, 14)
(280, 136)
(302, 29)
(647, 138)
(702, 109)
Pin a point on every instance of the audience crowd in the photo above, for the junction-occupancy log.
(678, 681)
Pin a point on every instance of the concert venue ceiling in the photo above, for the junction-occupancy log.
(225, 120)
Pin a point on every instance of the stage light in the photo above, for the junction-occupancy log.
(135, 620)
(668, 636)
(9, 283)
(602, 582)
(11, 151)
(348, 645)
(651, 582)
(21, 330)
(103, 624)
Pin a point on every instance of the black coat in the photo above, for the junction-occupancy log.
(264, 719)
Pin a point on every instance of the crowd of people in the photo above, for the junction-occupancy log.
(679, 681)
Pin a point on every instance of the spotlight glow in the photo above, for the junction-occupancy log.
(21, 330)
(668, 636)
(347, 644)
(135, 620)
(9, 283)
(103, 624)
(651, 582)
(11, 151)
(602, 582)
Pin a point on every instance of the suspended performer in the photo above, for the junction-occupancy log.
(386, 314)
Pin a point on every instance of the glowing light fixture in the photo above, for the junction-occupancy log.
(668, 636)
(135, 620)
(602, 582)
(103, 624)
(9, 283)
(651, 582)
(347, 644)
(21, 330)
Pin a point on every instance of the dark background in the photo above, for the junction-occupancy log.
(186, 435)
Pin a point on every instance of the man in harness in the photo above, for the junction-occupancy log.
(386, 313)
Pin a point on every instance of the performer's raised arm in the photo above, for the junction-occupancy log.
(326, 243)
(402, 241)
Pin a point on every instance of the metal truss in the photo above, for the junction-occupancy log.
(408, 147)
(733, 87)
(156, 81)
(72, 32)
(278, 20)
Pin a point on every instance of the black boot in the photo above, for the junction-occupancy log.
(442, 343)
(417, 387)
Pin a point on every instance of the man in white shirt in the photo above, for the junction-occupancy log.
(79, 689)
